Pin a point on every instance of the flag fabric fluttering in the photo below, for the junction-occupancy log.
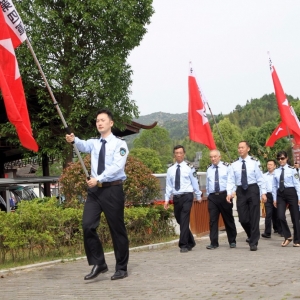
(281, 131)
(10, 80)
(290, 124)
(199, 128)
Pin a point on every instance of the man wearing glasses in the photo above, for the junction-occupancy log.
(286, 190)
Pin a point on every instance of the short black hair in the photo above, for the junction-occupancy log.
(280, 153)
(105, 111)
(273, 160)
(178, 147)
(247, 144)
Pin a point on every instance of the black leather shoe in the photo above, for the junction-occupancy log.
(120, 274)
(253, 248)
(211, 247)
(184, 250)
(265, 236)
(248, 240)
(97, 269)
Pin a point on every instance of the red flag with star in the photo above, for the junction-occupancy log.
(279, 132)
(290, 124)
(199, 128)
(11, 84)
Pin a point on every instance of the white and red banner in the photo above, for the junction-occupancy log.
(10, 80)
(290, 124)
(199, 128)
(14, 23)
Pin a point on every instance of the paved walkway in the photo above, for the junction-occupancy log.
(272, 272)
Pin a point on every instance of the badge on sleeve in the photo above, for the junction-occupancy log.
(122, 151)
(297, 176)
(195, 174)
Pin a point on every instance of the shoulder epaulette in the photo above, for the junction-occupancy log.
(226, 163)
(171, 165)
(190, 165)
(291, 167)
(119, 137)
(254, 158)
(95, 138)
(209, 166)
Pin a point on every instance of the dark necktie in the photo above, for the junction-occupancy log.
(177, 178)
(217, 184)
(101, 159)
(281, 180)
(244, 176)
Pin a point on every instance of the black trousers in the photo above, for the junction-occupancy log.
(271, 216)
(289, 196)
(109, 200)
(248, 207)
(217, 205)
(182, 209)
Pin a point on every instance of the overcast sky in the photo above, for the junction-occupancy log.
(227, 42)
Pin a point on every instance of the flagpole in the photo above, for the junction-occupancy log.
(223, 142)
(57, 108)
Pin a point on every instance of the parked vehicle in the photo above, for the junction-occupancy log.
(16, 194)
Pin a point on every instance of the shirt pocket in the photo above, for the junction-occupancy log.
(109, 155)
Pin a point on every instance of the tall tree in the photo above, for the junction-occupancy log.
(149, 158)
(157, 139)
(83, 47)
(230, 135)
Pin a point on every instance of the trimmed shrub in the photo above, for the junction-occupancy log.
(140, 187)
(44, 228)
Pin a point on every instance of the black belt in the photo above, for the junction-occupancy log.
(286, 188)
(252, 184)
(180, 195)
(218, 193)
(268, 193)
(106, 184)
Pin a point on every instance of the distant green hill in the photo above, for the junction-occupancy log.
(254, 113)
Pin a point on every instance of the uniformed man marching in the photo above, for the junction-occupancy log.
(216, 184)
(181, 183)
(105, 194)
(286, 190)
(271, 210)
(250, 183)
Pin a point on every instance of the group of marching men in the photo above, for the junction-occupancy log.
(278, 189)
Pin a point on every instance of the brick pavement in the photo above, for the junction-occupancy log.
(272, 272)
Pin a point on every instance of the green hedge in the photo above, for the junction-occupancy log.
(42, 228)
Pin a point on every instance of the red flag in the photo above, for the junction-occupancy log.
(12, 88)
(287, 113)
(199, 129)
(281, 131)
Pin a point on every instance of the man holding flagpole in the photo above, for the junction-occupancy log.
(105, 194)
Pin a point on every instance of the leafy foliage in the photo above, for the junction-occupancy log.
(149, 158)
(42, 228)
(157, 139)
(140, 186)
(83, 49)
